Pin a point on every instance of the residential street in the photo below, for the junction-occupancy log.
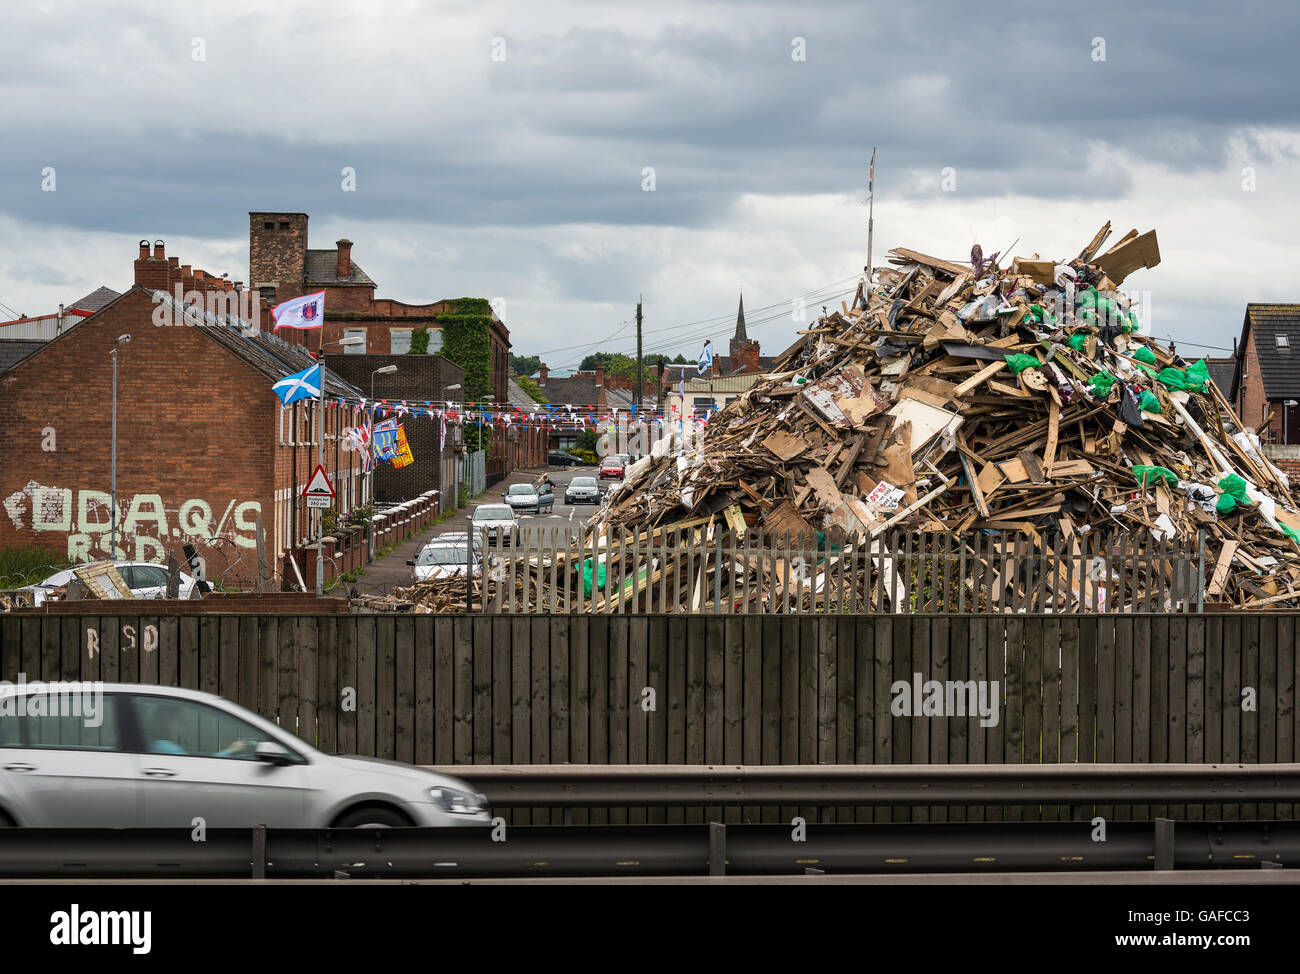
(391, 572)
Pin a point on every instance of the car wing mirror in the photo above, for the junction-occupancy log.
(410, 561)
(272, 753)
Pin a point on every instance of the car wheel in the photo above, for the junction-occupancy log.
(6, 822)
(373, 817)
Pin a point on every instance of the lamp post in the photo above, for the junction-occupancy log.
(386, 370)
(442, 499)
(320, 456)
(112, 514)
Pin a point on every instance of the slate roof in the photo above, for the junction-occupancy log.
(95, 300)
(1279, 365)
(574, 390)
(323, 268)
(14, 350)
(1224, 373)
(517, 397)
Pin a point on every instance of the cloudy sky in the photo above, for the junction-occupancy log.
(501, 150)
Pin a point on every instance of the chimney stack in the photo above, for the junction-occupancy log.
(345, 257)
(541, 376)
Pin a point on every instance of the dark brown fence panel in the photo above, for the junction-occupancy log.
(697, 689)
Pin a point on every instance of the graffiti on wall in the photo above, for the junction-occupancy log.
(146, 527)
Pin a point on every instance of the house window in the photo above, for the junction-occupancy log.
(268, 225)
(399, 341)
(355, 333)
(1282, 341)
(435, 341)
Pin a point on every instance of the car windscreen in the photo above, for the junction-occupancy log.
(517, 490)
(583, 482)
(443, 555)
(498, 512)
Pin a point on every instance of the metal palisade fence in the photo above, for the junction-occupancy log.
(683, 569)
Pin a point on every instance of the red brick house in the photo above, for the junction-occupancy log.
(1266, 387)
(282, 266)
(204, 447)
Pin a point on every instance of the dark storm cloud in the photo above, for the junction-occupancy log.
(560, 132)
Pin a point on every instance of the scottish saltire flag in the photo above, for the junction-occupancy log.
(706, 359)
(300, 385)
(307, 311)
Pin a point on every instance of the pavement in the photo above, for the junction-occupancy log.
(385, 574)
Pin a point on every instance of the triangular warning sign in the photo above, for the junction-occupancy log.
(319, 485)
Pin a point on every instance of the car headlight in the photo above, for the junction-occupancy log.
(456, 801)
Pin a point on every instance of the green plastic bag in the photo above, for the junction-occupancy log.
(1291, 533)
(586, 576)
(1086, 299)
(1144, 354)
(1019, 363)
(1193, 380)
(1101, 384)
(1226, 504)
(1234, 487)
(1038, 315)
(1147, 474)
(1149, 402)
(1147, 369)
(1077, 342)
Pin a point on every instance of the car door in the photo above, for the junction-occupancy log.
(64, 761)
(148, 581)
(198, 762)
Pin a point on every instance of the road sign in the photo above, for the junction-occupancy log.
(319, 492)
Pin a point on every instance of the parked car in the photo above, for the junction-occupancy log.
(582, 490)
(155, 756)
(611, 468)
(530, 497)
(558, 458)
(459, 537)
(499, 519)
(445, 559)
(625, 457)
(144, 579)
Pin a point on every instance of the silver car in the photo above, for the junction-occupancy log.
(144, 579)
(116, 755)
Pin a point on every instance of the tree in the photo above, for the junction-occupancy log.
(524, 364)
(531, 387)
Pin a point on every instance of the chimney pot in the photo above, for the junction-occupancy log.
(158, 252)
(541, 375)
(174, 262)
(345, 257)
(144, 249)
(186, 271)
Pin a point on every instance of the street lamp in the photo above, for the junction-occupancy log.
(386, 370)
(349, 342)
(112, 514)
(441, 500)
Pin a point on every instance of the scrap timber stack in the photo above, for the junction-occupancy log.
(978, 401)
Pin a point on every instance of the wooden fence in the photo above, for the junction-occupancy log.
(721, 690)
(687, 570)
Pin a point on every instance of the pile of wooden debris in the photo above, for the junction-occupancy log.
(989, 406)
(968, 397)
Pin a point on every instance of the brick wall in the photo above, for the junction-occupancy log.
(203, 447)
(1250, 402)
(420, 378)
(278, 253)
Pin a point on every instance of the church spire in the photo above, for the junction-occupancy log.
(740, 322)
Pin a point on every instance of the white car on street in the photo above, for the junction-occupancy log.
(126, 755)
(144, 579)
(442, 559)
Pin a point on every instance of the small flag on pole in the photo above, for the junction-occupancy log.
(706, 358)
(300, 385)
(871, 174)
(307, 311)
